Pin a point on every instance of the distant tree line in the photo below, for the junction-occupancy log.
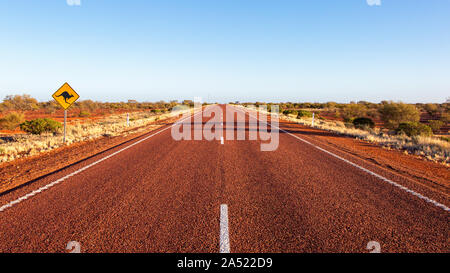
(400, 117)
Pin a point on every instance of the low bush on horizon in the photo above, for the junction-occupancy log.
(304, 113)
(435, 125)
(393, 114)
(412, 129)
(363, 123)
(41, 125)
(11, 121)
(84, 114)
(290, 112)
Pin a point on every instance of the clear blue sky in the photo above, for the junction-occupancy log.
(227, 50)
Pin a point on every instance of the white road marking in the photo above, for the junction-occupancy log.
(429, 200)
(221, 140)
(46, 187)
(224, 235)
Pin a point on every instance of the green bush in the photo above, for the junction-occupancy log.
(84, 114)
(290, 112)
(363, 123)
(395, 113)
(353, 110)
(414, 129)
(304, 113)
(435, 125)
(431, 108)
(445, 117)
(41, 125)
(20, 102)
(11, 121)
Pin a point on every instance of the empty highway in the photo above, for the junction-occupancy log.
(157, 194)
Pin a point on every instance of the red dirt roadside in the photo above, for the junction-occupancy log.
(431, 174)
(20, 171)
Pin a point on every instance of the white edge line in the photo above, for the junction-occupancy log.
(429, 200)
(46, 187)
(224, 235)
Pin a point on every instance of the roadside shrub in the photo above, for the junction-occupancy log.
(363, 123)
(351, 111)
(431, 108)
(11, 121)
(349, 120)
(304, 113)
(20, 102)
(414, 129)
(84, 114)
(290, 112)
(393, 114)
(41, 125)
(445, 117)
(435, 125)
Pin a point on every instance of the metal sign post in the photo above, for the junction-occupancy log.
(128, 119)
(65, 122)
(312, 123)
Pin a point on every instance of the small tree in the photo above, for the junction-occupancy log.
(41, 125)
(290, 112)
(11, 121)
(304, 113)
(435, 125)
(84, 114)
(352, 111)
(363, 123)
(414, 129)
(431, 108)
(395, 113)
(445, 117)
(20, 102)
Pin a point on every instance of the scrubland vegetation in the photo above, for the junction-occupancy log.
(12, 147)
(420, 129)
(22, 103)
(90, 120)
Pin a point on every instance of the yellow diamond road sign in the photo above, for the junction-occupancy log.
(65, 96)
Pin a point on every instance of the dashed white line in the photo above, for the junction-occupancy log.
(46, 187)
(224, 235)
(429, 200)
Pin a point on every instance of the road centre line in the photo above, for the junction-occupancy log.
(224, 235)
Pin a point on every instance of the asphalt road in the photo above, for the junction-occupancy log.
(162, 195)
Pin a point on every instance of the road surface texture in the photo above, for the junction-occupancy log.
(156, 194)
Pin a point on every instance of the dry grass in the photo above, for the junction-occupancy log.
(432, 148)
(28, 145)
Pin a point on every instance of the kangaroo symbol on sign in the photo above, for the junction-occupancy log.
(65, 95)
